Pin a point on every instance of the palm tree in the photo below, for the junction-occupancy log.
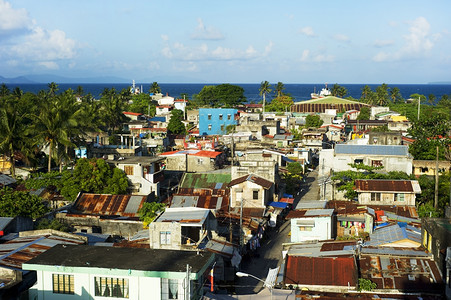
(113, 109)
(155, 88)
(13, 128)
(382, 95)
(265, 88)
(395, 95)
(279, 89)
(4, 91)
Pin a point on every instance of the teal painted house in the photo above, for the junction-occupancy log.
(95, 272)
(214, 121)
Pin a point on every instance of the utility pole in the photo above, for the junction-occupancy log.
(241, 224)
(418, 117)
(187, 284)
(436, 182)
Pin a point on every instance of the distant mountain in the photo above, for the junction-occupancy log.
(15, 80)
(47, 78)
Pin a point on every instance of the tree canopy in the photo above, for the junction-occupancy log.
(93, 176)
(222, 95)
(175, 125)
(19, 203)
(313, 121)
(280, 104)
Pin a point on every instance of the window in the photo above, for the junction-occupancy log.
(111, 287)
(170, 289)
(305, 225)
(376, 163)
(128, 170)
(165, 237)
(229, 117)
(209, 126)
(400, 197)
(222, 127)
(200, 161)
(63, 284)
(255, 195)
(220, 117)
(209, 116)
(358, 161)
(375, 196)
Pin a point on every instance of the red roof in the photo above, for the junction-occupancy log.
(287, 200)
(332, 271)
(164, 106)
(131, 113)
(204, 153)
(180, 100)
(380, 185)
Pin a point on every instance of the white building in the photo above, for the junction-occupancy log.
(310, 224)
(94, 272)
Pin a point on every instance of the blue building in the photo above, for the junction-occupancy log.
(214, 121)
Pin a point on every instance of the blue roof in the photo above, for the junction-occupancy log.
(278, 204)
(372, 149)
(158, 119)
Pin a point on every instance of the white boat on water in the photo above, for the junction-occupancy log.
(323, 93)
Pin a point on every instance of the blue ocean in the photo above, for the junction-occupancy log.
(299, 92)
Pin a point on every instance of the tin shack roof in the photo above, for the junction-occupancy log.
(252, 178)
(20, 250)
(205, 180)
(381, 185)
(330, 271)
(105, 204)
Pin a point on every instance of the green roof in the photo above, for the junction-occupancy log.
(205, 180)
(329, 100)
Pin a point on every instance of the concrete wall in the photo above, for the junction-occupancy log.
(245, 191)
(321, 231)
(212, 116)
(264, 169)
(84, 287)
(176, 235)
(386, 199)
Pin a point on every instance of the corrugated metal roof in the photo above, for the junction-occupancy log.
(332, 271)
(398, 150)
(394, 233)
(380, 185)
(194, 217)
(4, 221)
(252, 178)
(309, 213)
(6, 180)
(406, 273)
(204, 180)
(20, 250)
(103, 204)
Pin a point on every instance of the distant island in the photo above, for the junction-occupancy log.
(440, 82)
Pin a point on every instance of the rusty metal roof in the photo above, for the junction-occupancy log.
(331, 271)
(301, 107)
(402, 273)
(381, 185)
(346, 207)
(252, 178)
(112, 205)
(20, 250)
(205, 180)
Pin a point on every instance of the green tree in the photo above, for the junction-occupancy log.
(223, 95)
(431, 99)
(93, 176)
(175, 125)
(366, 91)
(293, 177)
(313, 121)
(395, 95)
(364, 113)
(425, 201)
(141, 103)
(279, 88)
(19, 203)
(265, 88)
(366, 285)
(112, 108)
(149, 211)
(54, 224)
(338, 91)
(280, 104)
(382, 98)
(155, 88)
(13, 127)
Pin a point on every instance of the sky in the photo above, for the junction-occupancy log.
(196, 41)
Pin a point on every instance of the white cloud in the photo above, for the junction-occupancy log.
(305, 55)
(341, 38)
(203, 32)
(323, 58)
(181, 52)
(51, 65)
(417, 43)
(308, 31)
(164, 37)
(43, 45)
(13, 19)
(383, 43)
